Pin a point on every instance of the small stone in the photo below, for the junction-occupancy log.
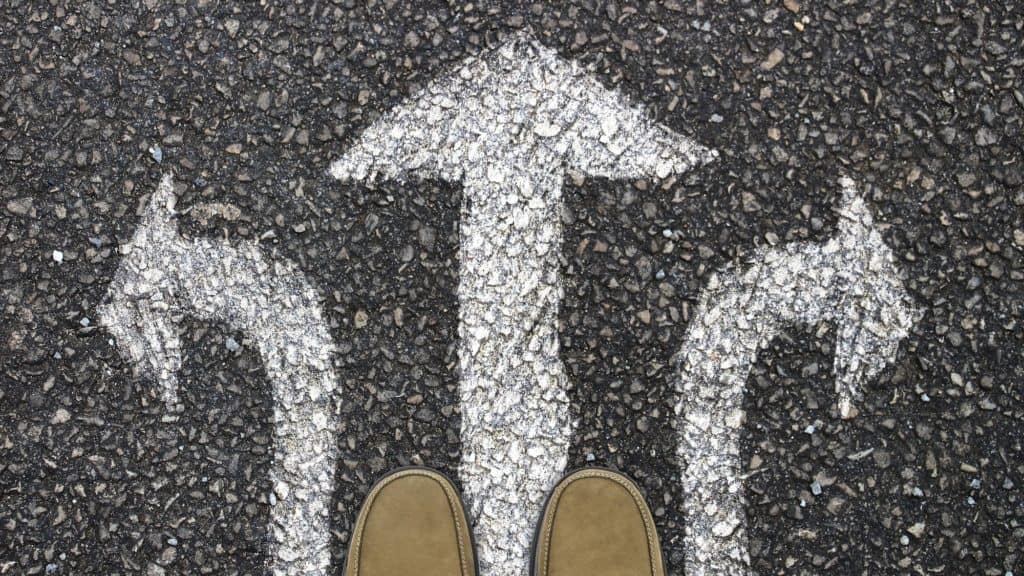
(882, 458)
(545, 130)
(60, 416)
(725, 528)
(58, 256)
(156, 153)
(231, 25)
(263, 101)
(21, 207)
(773, 59)
(361, 318)
(985, 137)
(412, 39)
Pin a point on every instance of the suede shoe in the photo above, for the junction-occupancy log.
(412, 523)
(596, 523)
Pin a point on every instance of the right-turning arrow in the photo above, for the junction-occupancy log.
(508, 125)
(851, 280)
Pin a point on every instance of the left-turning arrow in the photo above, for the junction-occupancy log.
(163, 277)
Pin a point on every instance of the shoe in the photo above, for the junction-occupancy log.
(413, 523)
(596, 523)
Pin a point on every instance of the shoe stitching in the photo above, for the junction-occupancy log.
(638, 501)
(371, 498)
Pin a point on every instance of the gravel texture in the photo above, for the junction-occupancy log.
(921, 104)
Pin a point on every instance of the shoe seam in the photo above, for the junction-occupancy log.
(638, 502)
(371, 500)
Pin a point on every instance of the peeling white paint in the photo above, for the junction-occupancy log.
(851, 280)
(163, 277)
(507, 125)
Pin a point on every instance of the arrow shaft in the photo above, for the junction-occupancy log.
(736, 320)
(713, 374)
(515, 413)
(274, 305)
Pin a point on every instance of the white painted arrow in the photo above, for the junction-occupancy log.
(163, 277)
(507, 125)
(851, 280)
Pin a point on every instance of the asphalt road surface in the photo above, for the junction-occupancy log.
(919, 104)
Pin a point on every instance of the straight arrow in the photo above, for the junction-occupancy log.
(851, 280)
(508, 125)
(163, 277)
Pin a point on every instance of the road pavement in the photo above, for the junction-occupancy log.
(247, 106)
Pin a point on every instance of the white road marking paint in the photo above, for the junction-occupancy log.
(507, 125)
(852, 280)
(163, 277)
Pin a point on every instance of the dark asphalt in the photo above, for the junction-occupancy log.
(922, 103)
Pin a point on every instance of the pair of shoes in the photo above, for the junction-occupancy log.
(595, 523)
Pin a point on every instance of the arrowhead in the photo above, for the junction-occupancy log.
(137, 314)
(876, 312)
(520, 103)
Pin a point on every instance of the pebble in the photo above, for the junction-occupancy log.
(985, 137)
(21, 207)
(774, 58)
(61, 416)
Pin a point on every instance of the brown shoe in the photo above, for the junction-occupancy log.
(412, 523)
(596, 523)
